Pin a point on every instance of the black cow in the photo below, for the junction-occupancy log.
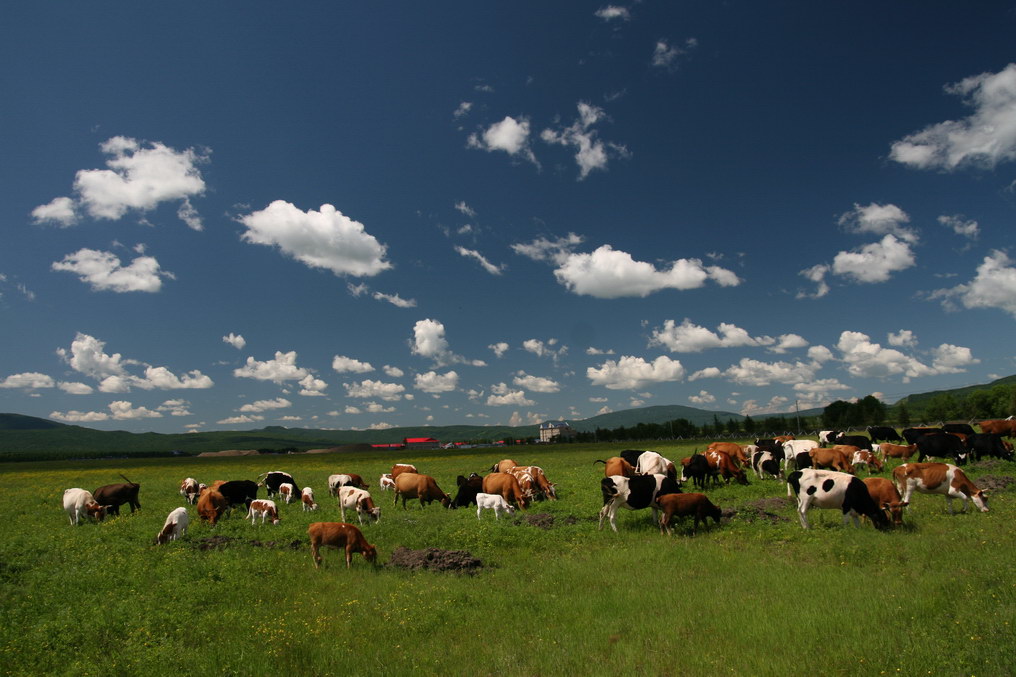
(469, 487)
(803, 460)
(941, 445)
(911, 435)
(633, 493)
(961, 428)
(883, 433)
(697, 469)
(239, 492)
(988, 444)
(859, 441)
(114, 495)
(276, 478)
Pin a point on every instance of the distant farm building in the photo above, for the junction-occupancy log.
(550, 431)
(421, 443)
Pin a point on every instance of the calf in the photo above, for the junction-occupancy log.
(211, 506)
(189, 490)
(174, 527)
(939, 478)
(344, 480)
(114, 495)
(886, 497)
(413, 485)
(507, 486)
(633, 493)
(287, 492)
(683, 505)
(386, 482)
(339, 535)
(904, 451)
(265, 509)
(355, 498)
(867, 459)
(493, 502)
(80, 503)
(833, 490)
(307, 499)
(615, 465)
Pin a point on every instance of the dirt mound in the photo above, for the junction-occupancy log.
(218, 542)
(230, 452)
(762, 510)
(542, 520)
(435, 559)
(995, 482)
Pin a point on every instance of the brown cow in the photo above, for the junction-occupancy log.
(725, 466)
(887, 498)
(412, 485)
(339, 535)
(735, 451)
(836, 457)
(400, 468)
(114, 495)
(507, 486)
(211, 505)
(682, 505)
(504, 465)
(615, 465)
(1005, 427)
(904, 451)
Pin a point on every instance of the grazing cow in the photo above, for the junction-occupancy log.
(238, 492)
(911, 435)
(736, 452)
(725, 466)
(1005, 427)
(867, 459)
(412, 485)
(885, 495)
(189, 489)
(540, 487)
(696, 468)
(386, 482)
(344, 480)
(469, 487)
(649, 463)
(80, 503)
(773, 446)
(504, 465)
(904, 451)
(834, 490)
(633, 493)
(114, 495)
(339, 535)
(211, 506)
(836, 458)
(273, 479)
(792, 448)
(400, 468)
(682, 505)
(939, 478)
(763, 463)
(827, 436)
(263, 508)
(964, 429)
(360, 500)
(287, 492)
(508, 487)
(307, 499)
(493, 502)
(989, 444)
(941, 445)
(174, 527)
(615, 465)
(883, 433)
(859, 441)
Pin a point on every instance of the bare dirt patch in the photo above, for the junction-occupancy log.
(435, 559)
(995, 482)
(543, 520)
(762, 510)
(222, 542)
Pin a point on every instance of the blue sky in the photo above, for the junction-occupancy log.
(363, 215)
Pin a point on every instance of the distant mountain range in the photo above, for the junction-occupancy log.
(28, 436)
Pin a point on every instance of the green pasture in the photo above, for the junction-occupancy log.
(756, 595)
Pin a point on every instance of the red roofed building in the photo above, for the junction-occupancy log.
(421, 443)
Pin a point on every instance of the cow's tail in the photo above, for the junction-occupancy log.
(600, 461)
(125, 477)
(261, 479)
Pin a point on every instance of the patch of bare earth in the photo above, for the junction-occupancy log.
(995, 482)
(762, 510)
(218, 542)
(542, 520)
(435, 559)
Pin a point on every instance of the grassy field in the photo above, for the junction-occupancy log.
(756, 595)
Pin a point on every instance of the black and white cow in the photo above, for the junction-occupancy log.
(239, 492)
(989, 444)
(859, 441)
(834, 490)
(633, 493)
(826, 437)
(883, 433)
(763, 463)
(941, 445)
(274, 479)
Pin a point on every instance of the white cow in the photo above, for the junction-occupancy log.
(263, 508)
(652, 463)
(175, 526)
(493, 502)
(79, 503)
(360, 500)
(791, 448)
(834, 490)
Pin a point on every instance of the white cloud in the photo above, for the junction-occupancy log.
(87, 356)
(542, 249)
(395, 300)
(29, 380)
(282, 368)
(104, 271)
(777, 404)
(632, 373)
(463, 109)
(60, 210)
(590, 152)
(312, 387)
(536, 384)
(429, 342)
(904, 337)
(708, 372)
(703, 397)
(319, 239)
(162, 378)
(235, 340)
(876, 219)
(788, 342)
(261, 406)
(688, 337)
(508, 135)
(393, 372)
(984, 139)
(484, 263)
(665, 55)
(343, 365)
(994, 286)
(125, 411)
(434, 383)
(75, 388)
(503, 395)
(176, 407)
(465, 209)
(757, 373)
(866, 359)
(874, 262)
(377, 408)
(367, 389)
(598, 351)
(950, 359)
(608, 274)
(499, 348)
(79, 416)
(611, 12)
(235, 420)
(817, 275)
(961, 225)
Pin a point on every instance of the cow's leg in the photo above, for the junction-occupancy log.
(315, 555)
(948, 501)
(349, 554)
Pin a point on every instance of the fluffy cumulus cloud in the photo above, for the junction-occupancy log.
(434, 383)
(87, 356)
(632, 373)
(310, 386)
(499, 348)
(235, 340)
(369, 389)
(758, 373)
(139, 177)
(961, 225)
(983, 139)
(876, 219)
(278, 370)
(994, 286)
(429, 342)
(554, 251)
(509, 135)
(689, 337)
(703, 397)
(344, 365)
(502, 395)
(104, 271)
(262, 406)
(608, 274)
(29, 380)
(866, 359)
(590, 152)
(319, 239)
(548, 348)
(536, 384)
(875, 262)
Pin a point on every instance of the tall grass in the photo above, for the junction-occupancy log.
(752, 596)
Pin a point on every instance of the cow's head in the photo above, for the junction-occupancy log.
(96, 511)
(894, 511)
(980, 499)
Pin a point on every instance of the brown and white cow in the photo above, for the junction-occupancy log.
(189, 490)
(867, 459)
(174, 527)
(683, 505)
(836, 458)
(344, 480)
(413, 485)
(507, 486)
(939, 478)
(265, 509)
(80, 503)
(615, 465)
(339, 535)
(725, 466)
(888, 498)
(735, 451)
(355, 498)
(307, 499)
(287, 491)
(400, 468)
(386, 482)
(541, 487)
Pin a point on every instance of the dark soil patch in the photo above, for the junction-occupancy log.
(543, 520)
(435, 559)
(995, 482)
(763, 509)
(222, 542)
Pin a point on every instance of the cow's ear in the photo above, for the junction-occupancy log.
(983, 493)
(886, 506)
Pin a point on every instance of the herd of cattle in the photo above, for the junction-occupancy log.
(820, 474)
